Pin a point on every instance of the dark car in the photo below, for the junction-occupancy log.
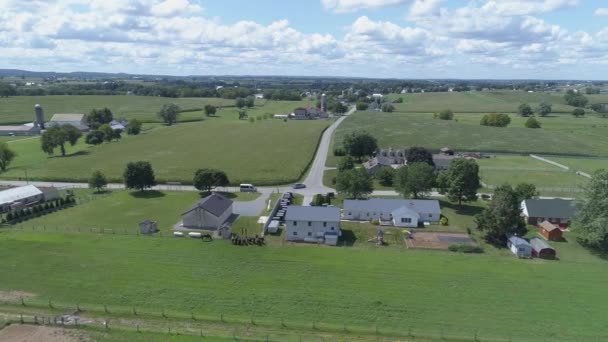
(299, 186)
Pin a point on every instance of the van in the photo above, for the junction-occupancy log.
(248, 188)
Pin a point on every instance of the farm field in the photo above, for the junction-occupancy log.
(20, 109)
(263, 152)
(588, 165)
(376, 284)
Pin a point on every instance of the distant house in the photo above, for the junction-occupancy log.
(556, 211)
(19, 130)
(119, 124)
(398, 212)
(148, 227)
(313, 224)
(308, 113)
(442, 161)
(76, 120)
(550, 231)
(541, 249)
(211, 213)
(519, 247)
(390, 157)
(19, 197)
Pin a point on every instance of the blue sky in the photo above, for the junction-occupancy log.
(552, 39)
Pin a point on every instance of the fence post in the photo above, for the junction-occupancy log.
(134, 311)
(21, 318)
(50, 303)
(22, 301)
(138, 328)
(105, 308)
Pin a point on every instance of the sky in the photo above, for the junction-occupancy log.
(465, 39)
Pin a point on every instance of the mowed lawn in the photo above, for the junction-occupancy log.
(588, 165)
(264, 152)
(495, 294)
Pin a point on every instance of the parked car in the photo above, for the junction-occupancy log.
(299, 186)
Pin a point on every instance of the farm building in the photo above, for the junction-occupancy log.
(211, 213)
(541, 249)
(519, 247)
(19, 197)
(148, 227)
(76, 120)
(549, 231)
(307, 113)
(19, 130)
(556, 211)
(119, 124)
(390, 157)
(313, 224)
(397, 212)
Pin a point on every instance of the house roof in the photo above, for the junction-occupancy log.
(517, 241)
(551, 208)
(216, 204)
(300, 213)
(404, 211)
(67, 117)
(548, 226)
(17, 128)
(386, 204)
(18, 193)
(539, 244)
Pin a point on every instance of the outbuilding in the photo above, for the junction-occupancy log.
(550, 231)
(541, 249)
(519, 247)
(21, 196)
(213, 212)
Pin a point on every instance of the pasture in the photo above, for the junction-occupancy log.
(588, 165)
(264, 152)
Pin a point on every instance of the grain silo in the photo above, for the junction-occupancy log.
(39, 116)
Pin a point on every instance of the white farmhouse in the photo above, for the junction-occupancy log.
(313, 224)
(398, 212)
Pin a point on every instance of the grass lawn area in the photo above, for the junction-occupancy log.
(124, 210)
(264, 152)
(375, 284)
(588, 165)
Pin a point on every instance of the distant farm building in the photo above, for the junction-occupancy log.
(22, 196)
(396, 212)
(550, 231)
(76, 120)
(213, 212)
(541, 249)
(148, 227)
(32, 128)
(556, 211)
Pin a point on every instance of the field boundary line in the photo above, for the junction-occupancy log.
(550, 162)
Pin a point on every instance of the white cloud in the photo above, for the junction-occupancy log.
(424, 8)
(526, 7)
(354, 5)
(601, 12)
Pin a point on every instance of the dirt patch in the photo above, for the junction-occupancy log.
(37, 333)
(13, 296)
(438, 240)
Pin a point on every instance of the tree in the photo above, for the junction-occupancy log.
(94, 137)
(575, 99)
(387, 108)
(460, 181)
(108, 132)
(385, 176)
(495, 120)
(58, 136)
(6, 156)
(356, 183)
(525, 110)
(240, 102)
(418, 154)
(544, 109)
(362, 106)
(98, 181)
(339, 108)
(169, 113)
(591, 221)
(446, 114)
(207, 179)
(242, 114)
(578, 112)
(210, 110)
(360, 144)
(502, 217)
(532, 123)
(597, 107)
(415, 179)
(98, 117)
(139, 175)
(346, 163)
(134, 127)
(250, 101)
(117, 134)
(525, 191)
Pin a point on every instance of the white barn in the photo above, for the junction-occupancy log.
(210, 213)
(313, 224)
(22, 195)
(76, 120)
(399, 212)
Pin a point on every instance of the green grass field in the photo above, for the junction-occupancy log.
(20, 109)
(588, 165)
(264, 152)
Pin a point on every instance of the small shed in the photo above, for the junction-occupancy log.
(541, 249)
(519, 247)
(550, 231)
(148, 227)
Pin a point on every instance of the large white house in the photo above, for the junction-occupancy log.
(398, 212)
(313, 224)
(210, 213)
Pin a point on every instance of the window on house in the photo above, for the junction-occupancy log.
(324, 224)
(309, 233)
(295, 223)
(430, 215)
(406, 220)
(350, 213)
(332, 228)
(295, 233)
(309, 223)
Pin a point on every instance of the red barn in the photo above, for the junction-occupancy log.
(550, 231)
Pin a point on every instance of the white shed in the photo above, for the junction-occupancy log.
(519, 247)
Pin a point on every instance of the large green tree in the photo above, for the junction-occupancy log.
(139, 175)
(526, 191)
(210, 110)
(414, 180)
(169, 113)
(360, 144)
(134, 127)
(207, 179)
(578, 112)
(385, 176)
(346, 163)
(97, 181)
(108, 132)
(460, 181)
(502, 217)
(525, 110)
(98, 117)
(591, 220)
(57, 136)
(544, 109)
(355, 183)
(418, 154)
(6, 156)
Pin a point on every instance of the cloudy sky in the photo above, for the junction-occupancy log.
(550, 39)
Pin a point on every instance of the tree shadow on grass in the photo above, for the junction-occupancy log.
(464, 209)
(75, 154)
(147, 194)
(348, 238)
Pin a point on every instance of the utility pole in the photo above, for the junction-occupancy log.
(26, 179)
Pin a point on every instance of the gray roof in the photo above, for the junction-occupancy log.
(68, 117)
(386, 204)
(539, 244)
(216, 204)
(317, 214)
(551, 208)
(18, 193)
(517, 241)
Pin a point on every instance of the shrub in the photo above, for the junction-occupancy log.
(388, 108)
(9, 216)
(258, 118)
(443, 221)
(446, 115)
(339, 152)
(47, 206)
(376, 222)
(251, 119)
(532, 123)
(495, 120)
(462, 248)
